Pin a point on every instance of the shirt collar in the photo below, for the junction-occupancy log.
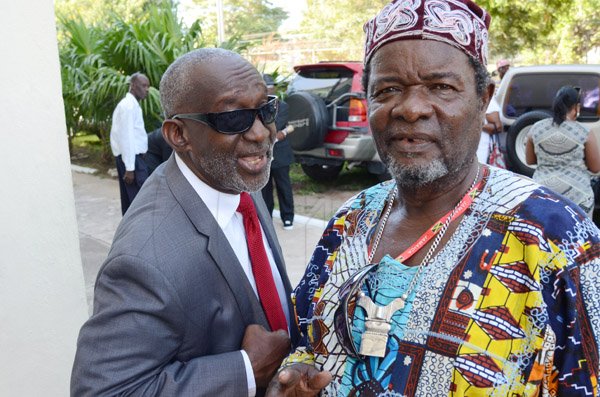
(221, 205)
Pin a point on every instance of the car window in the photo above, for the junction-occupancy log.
(528, 92)
(328, 83)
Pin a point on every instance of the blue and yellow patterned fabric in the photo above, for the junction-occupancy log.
(509, 306)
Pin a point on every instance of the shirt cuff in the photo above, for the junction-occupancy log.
(249, 375)
(129, 166)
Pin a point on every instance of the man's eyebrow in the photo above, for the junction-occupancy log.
(386, 79)
(441, 76)
(230, 98)
(426, 77)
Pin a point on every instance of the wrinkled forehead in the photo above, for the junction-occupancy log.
(419, 60)
(217, 83)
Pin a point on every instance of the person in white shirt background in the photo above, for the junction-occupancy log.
(129, 140)
(492, 125)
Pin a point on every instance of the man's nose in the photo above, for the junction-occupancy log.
(259, 131)
(413, 104)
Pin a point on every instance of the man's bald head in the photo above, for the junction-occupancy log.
(139, 85)
(180, 82)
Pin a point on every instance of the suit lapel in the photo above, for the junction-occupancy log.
(218, 245)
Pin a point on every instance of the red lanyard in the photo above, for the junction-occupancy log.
(460, 208)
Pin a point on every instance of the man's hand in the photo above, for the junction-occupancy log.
(266, 350)
(298, 380)
(129, 177)
(281, 135)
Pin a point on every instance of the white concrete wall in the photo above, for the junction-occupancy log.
(42, 299)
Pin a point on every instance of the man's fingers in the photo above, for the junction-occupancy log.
(285, 380)
(288, 377)
(319, 380)
(316, 380)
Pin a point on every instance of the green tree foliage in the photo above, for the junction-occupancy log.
(580, 31)
(99, 11)
(242, 19)
(340, 23)
(534, 31)
(543, 31)
(97, 58)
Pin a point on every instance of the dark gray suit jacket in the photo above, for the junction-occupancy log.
(283, 155)
(171, 301)
(158, 152)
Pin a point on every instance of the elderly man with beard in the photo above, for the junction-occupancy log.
(454, 278)
(181, 307)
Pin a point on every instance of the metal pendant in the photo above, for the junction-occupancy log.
(377, 325)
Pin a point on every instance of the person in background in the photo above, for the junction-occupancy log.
(502, 67)
(453, 278)
(193, 297)
(565, 151)
(283, 157)
(159, 150)
(491, 126)
(129, 141)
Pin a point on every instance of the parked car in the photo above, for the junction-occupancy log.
(525, 96)
(328, 110)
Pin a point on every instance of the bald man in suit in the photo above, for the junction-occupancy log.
(178, 305)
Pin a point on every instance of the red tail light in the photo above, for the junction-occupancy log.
(335, 152)
(358, 111)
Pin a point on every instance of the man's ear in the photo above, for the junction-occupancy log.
(172, 131)
(488, 94)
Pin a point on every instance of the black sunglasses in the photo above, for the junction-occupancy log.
(236, 121)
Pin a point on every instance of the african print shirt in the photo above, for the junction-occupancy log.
(507, 307)
(560, 152)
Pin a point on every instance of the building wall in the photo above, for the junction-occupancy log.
(41, 282)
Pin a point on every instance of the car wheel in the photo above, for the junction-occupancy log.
(517, 139)
(309, 116)
(322, 172)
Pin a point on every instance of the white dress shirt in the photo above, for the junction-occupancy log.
(223, 208)
(128, 136)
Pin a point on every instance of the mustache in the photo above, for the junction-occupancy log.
(258, 148)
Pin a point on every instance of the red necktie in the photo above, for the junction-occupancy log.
(261, 268)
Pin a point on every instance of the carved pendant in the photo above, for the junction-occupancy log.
(377, 325)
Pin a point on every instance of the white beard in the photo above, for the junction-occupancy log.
(417, 176)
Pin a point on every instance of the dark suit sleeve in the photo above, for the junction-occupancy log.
(283, 154)
(128, 346)
(158, 150)
(282, 116)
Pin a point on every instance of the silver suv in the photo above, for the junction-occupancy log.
(525, 96)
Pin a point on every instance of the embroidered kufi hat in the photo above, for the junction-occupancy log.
(460, 23)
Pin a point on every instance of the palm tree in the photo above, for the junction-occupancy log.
(96, 60)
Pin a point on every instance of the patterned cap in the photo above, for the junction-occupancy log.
(460, 23)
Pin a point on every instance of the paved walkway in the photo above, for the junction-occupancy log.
(99, 212)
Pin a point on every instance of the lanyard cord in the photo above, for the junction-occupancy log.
(438, 230)
(434, 230)
(457, 211)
